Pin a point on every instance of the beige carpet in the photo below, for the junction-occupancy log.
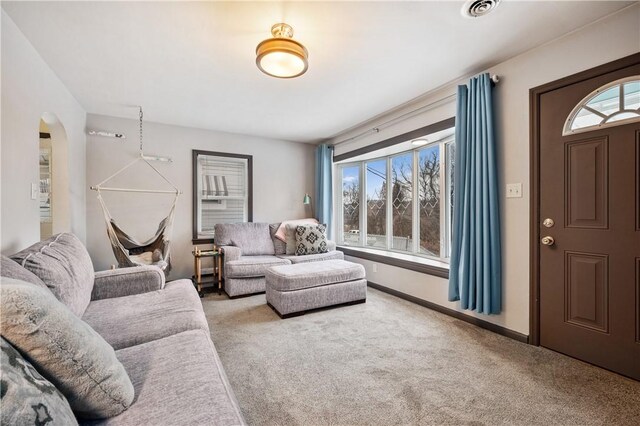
(393, 362)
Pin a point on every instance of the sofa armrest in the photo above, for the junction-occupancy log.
(331, 245)
(127, 281)
(230, 253)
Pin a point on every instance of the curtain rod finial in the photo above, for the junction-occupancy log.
(495, 78)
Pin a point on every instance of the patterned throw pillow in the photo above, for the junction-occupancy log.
(27, 397)
(311, 239)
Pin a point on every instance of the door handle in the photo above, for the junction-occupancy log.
(548, 240)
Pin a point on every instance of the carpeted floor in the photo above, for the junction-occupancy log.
(393, 362)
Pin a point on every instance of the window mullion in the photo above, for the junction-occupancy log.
(415, 205)
(363, 206)
(389, 207)
(442, 179)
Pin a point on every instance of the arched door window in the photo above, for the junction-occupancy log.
(613, 104)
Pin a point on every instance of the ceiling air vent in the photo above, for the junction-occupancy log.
(478, 8)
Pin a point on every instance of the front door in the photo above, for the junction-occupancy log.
(589, 183)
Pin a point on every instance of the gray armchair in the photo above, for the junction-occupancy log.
(250, 249)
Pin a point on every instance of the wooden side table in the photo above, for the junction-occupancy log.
(207, 275)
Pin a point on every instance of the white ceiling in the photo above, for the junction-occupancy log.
(193, 63)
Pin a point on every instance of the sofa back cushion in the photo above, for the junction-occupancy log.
(279, 246)
(65, 350)
(64, 265)
(253, 239)
(27, 397)
(11, 269)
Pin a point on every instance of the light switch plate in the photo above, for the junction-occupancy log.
(514, 190)
(34, 191)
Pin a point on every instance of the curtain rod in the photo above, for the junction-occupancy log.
(494, 78)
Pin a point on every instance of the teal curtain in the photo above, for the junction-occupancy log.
(324, 185)
(475, 272)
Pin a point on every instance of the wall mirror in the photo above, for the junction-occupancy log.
(222, 191)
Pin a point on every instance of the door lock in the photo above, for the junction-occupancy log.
(548, 222)
(547, 240)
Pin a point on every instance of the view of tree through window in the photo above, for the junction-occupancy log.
(351, 205)
(429, 196)
(402, 201)
(377, 203)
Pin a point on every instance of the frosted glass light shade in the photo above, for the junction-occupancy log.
(281, 56)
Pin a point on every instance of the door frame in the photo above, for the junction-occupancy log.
(534, 176)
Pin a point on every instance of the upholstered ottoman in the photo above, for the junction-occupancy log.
(295, 289)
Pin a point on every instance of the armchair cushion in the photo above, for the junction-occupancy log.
(127, 281)
(64, 265)
(252, 266)
(252, 238)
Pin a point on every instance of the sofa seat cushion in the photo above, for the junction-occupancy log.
(140, 318)
(331, 255)
(178, 380)
(313, 274)
(64, 265)
(252, 266)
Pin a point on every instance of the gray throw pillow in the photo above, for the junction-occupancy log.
(27, 397)
(11, 269)
(64, 265)
(279, 246)
(65, 350)
(311, 239)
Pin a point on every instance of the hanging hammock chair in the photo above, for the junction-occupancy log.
(127, 250)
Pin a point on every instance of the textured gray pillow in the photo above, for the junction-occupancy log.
(65, 350)
(279, 246)
(11, 269)
(290, 236)
(64, 265)
(311, 239)
(27, 397)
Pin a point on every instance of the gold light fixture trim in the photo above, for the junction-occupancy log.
(281, 56)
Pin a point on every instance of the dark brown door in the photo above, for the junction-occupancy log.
(590, 271)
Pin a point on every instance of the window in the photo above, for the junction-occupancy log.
(222, 191)
(418, 184)
(351, 205)
(612, 104)
(377, 203)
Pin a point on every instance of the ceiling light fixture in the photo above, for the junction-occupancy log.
(419, 142)
(281, 56)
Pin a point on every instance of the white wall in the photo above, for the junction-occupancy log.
(599, 43)
(282, 173)
(30, 89)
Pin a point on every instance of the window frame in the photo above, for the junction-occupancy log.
(196, 238)
(445, 199)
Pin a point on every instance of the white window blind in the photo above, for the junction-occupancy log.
(222, 192)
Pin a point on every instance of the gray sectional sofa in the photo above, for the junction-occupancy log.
(250, 249)
(158, 331)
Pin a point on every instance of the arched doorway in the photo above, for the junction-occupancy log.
(53, 163)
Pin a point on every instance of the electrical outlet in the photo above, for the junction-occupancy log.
(514, 190)
(34, 191)
(374, 267)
